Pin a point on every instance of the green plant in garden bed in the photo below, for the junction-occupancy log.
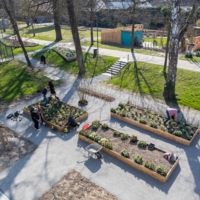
(124, 136)
(161, 170)
(105, 126)
(143, 120)
(138, 159)
(153, 124)
(177, 133)
(142, 143)
(65, 51)
(133, 138)
(117, 134)
(125, 153)
(149, 165)
(96, 124)
(106, 143)
(113, 110)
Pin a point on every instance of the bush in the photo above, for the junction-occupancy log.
(92, 136)
(138, 159)
(117, 133)
(142, 120)
(124, 136)
(106, 143)
(142, 143)
(153, 124)
(149, 165)
(177, 133)
(123, 113)
(161, 170)
(122, 105)
(105, 126)
(96, 124)
(162, 127)
(125, 153)
(133, 138)
(113, 110)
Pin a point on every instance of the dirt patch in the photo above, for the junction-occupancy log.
(75, 186)
(20, 147)
(155, 156)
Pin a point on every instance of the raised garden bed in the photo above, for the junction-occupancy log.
(57, 113)
(178, 131)
(130, 150)
(65, 53)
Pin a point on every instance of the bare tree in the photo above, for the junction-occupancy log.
(74, 29)
(10, 10)
(178, 30)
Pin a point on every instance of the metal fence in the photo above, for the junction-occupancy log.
(6, 52)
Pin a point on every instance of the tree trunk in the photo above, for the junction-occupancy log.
(167, 48)
(10, 11)
(74, 29)
(56, 16)
(91, 27)
(169, 88)
(133, 29)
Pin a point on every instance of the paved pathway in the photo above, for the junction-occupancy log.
(30, 177)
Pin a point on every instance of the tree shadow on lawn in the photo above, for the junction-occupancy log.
(40, 30)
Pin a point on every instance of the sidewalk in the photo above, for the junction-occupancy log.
(30, 177)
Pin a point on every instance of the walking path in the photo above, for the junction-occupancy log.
(30, 177)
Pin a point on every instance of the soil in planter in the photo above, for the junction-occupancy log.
(58, 112)
(16, 43)
(155, 156)
(180, 129)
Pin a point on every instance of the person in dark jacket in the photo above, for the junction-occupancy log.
(42, 59)
(71, 122)
(35, 117)
(44, 92)
(52, 89)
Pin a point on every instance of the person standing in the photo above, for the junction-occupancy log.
(171, 113)
(43, 59)
(35, 117)
(44, 92)
(52, 89)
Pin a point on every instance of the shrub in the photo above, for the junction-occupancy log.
(124, 136)
(106, 143)
(153, 124)
(122, 105)
(149, 165)
(96, 124)
(177, 133)
(133, 138)
(113, 110)
(84, 133)
(123, 113)
(105, 126)
(97, 138)
(161, 170)
(92, 136)
(125, 153)
(138, 159)
(189, 137)
(142, 120)
(142, 143)
(162, 127)
(117, 133)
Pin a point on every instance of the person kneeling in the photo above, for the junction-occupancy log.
(72, 122)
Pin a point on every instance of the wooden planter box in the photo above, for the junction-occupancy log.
(130, 162)
(59, 128)
(154, 130)
(65, 57)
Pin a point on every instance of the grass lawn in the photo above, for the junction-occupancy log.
(17, 81)
(48, 33)
(94, 66)
(17, 51)
(148, 79)
(106, 46)
(161, 41)
(194, 59)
